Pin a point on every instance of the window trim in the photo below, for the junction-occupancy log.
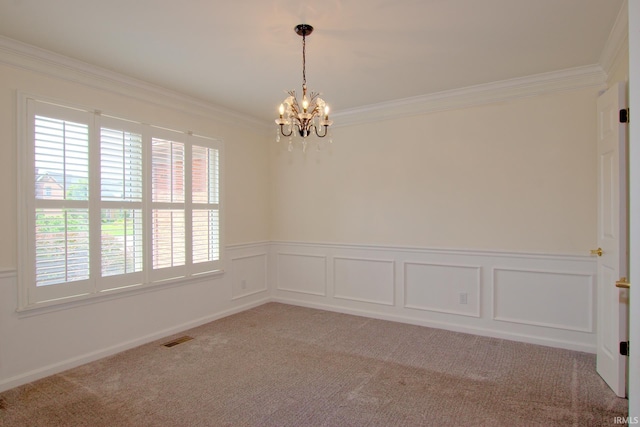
(26, 196)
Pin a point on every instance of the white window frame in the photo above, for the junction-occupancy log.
(31, 296)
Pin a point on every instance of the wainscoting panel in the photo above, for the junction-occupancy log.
(546, 299)
(523, 296)
(302, 273)
(366, 280)
(248, 275)
(444, 288)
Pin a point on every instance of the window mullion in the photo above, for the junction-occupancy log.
(188, 202)
(95, 239)
(26, 202)
(147, 241)
(66, 249)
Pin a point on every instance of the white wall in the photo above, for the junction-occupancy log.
(38, 343)
(510, 176)
(476, 219)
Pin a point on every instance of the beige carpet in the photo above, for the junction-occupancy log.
(281, 365)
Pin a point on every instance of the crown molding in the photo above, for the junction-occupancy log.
(32, 58)
(617, 40)
(538, 84)
(22, 55)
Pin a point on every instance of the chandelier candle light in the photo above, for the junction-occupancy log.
(313, 117)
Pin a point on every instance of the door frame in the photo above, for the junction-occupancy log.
(634, 209)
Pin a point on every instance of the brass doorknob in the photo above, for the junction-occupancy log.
(596, 251)
(622, 283)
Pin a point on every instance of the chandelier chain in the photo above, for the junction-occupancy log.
(304, 59)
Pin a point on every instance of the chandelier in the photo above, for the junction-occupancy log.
(311, 115)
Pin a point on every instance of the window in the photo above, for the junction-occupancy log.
(110, 204)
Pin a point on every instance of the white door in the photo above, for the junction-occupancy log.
(613, 302)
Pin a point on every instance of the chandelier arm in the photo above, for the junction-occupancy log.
(282, 131)
(326, 130)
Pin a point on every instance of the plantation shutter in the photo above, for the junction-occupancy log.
(121, 210)
(168, 227)
(205, 203)
(59, 230)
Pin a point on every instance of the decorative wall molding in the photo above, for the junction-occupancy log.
(364, 279)
(32, 58)
(247, 245)
(326, 246)
(301, 273)
(8, 273)
(447, 283)
(249, 275)
(556, 81)
(546, 299)
(521, 296)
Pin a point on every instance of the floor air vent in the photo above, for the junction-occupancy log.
(178, 341)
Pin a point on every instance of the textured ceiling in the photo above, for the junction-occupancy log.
(242, 55)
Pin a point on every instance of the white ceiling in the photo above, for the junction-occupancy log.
(243, 54)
